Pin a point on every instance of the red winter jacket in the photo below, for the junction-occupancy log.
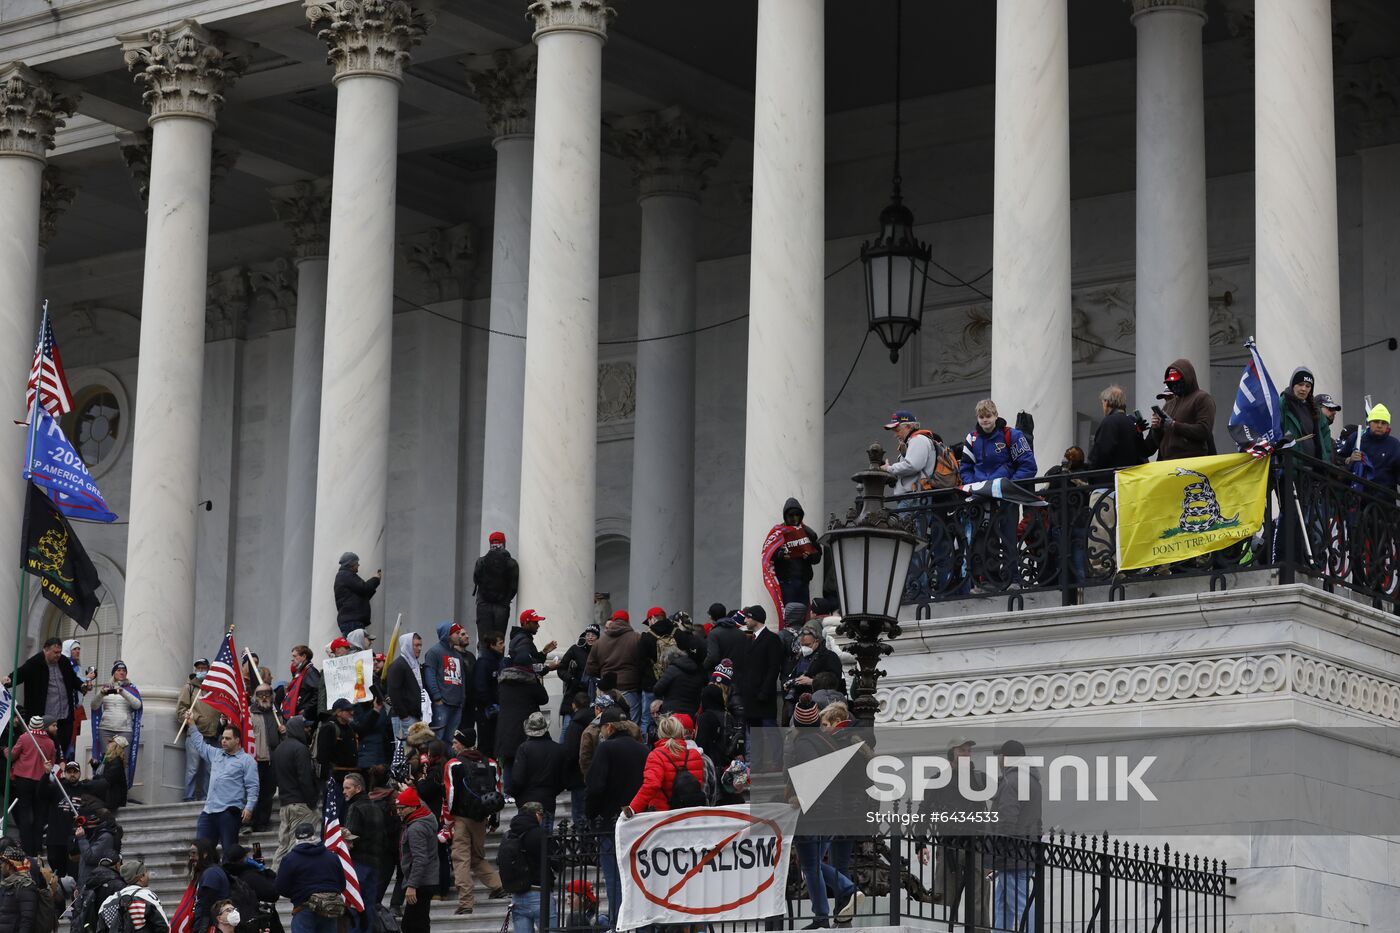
(660, 773)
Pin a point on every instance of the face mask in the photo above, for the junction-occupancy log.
(199, 675)
(233, 918)
(806, 650)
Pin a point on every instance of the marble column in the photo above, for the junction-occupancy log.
(32, 111)
(1031, 358)
(369, 47)
(669, 153)
(504, 82)
(184, 69)
(784, 425)
(1380, 264)
(305, 209)
(559, 449)
(1173, 313)
(1298, 298)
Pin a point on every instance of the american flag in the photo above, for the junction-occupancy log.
(334, 840)
(224, 691)
(183, 921)
(46, 375)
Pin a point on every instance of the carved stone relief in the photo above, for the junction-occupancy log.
(617, 392)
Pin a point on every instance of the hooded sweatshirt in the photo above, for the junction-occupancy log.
(403, 679)
(1192, 427)
(787, 568)
(445, 670)
(617, 653)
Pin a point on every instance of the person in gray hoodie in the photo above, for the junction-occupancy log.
(447, 667)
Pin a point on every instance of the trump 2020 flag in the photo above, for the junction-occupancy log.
(1255, 418)
(53, 553)
(55, 465)
(1177, 509)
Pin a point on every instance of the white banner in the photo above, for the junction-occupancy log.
(349, 676)
(687, 866)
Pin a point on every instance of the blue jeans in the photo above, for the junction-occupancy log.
(196, 777)
(446, 719)
(612, 876)
(368, 876)
(576, 799)
(221, 827)
(525, 911)
(1013, 890)
(819, 875)
(634, 707)
(646, 712)
(304, 921)
(402, 725)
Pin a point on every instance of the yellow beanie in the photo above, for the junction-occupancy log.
(1379, 413)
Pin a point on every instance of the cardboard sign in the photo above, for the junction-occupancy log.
(684, 866)
(350, 677)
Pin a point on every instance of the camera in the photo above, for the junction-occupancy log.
(1139, 421)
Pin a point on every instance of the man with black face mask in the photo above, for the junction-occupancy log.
(1186, 427)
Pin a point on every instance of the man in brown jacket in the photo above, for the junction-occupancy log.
(1188, 428)
(617, 663)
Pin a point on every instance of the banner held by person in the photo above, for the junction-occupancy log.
(686, 866)
(53, 553)
(1255, 418)
(1178, 509)
(349, 676)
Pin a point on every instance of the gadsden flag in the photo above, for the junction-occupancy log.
(53, 553)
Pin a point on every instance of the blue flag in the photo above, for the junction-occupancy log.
(54, 464)
(1255, 417)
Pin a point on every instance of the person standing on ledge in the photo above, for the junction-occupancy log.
(352, 594)
(496, 578)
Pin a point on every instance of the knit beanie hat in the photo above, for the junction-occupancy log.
(723, 673)
(408, 797)
(806, 712)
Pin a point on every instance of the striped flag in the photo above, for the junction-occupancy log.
(1255, 418)
(183, 921)
(334, 840)
(224, 691)
(46, 379)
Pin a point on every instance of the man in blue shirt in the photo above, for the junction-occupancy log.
(233, 785)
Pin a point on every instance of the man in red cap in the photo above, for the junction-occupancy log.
(496, 579)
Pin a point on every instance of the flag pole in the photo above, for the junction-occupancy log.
(199, 695)
(23, 595)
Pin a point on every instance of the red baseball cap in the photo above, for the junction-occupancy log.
(620, 616)
(456, 627)
(497, 537)
(530, 615)
(340, 643)
(655, 611)
(686, 720)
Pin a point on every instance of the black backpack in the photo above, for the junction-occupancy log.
(685, 790)
(513, 863)
(478, 787)
(89, 906)
(245, 899)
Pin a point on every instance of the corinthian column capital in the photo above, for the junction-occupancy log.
(185, 69)
(368, 37)
(590, 16)
(504, 82)
(55, 195)
(669, 150)
(304, 208)
(31, 111)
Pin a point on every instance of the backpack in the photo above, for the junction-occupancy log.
(45, 907)
(685, 790)
(477, 786)
(513, 864)
(245, 899)
(385, 921)
(663, 643)
(89, 905)
(944, 472)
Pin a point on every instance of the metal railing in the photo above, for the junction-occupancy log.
(1321, 522)
(967, 884)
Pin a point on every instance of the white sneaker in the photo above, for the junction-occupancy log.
(848, 910)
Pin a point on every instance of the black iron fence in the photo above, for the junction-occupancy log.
(970, 884)
(1321, 521)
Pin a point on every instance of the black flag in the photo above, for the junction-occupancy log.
(53, 553)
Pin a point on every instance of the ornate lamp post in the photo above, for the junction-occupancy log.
(871, 549)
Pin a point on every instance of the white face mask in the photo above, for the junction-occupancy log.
(806, 650)
(233, 918)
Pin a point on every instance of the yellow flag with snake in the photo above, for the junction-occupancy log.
(1179, 509)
